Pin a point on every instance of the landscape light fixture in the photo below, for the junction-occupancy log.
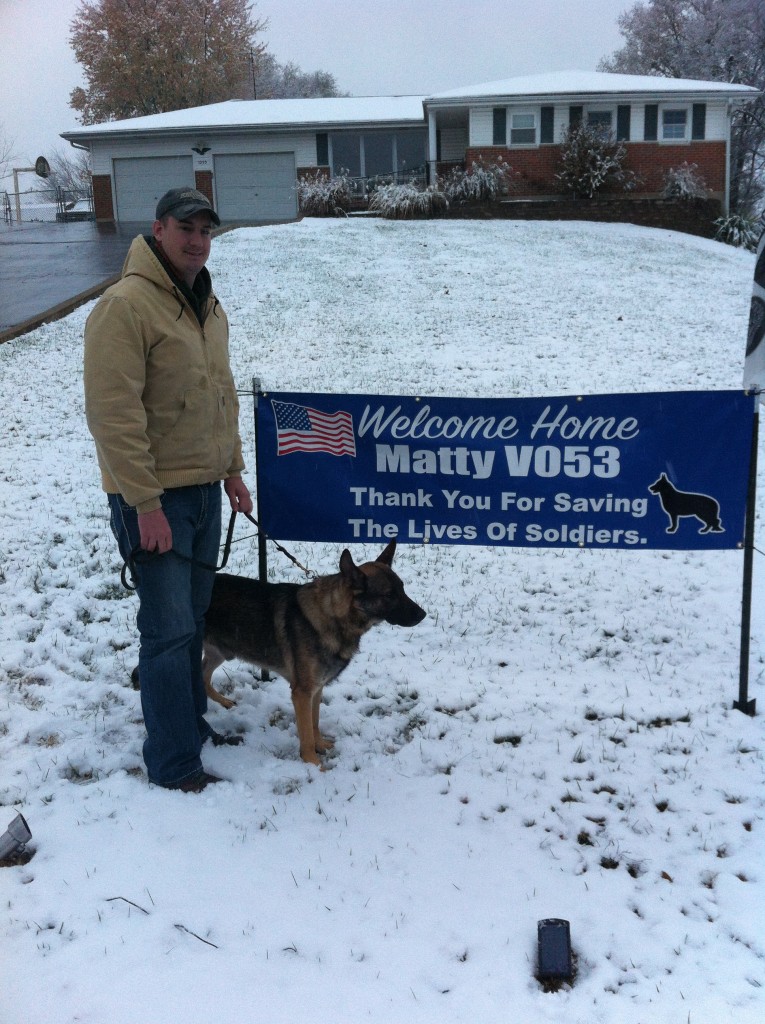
(555, 963)
(15, 838)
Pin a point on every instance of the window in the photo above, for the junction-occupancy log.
(346, 154)
(411, 152)
(523, 129)
(378, 154)
(673, 124)
(601, 120)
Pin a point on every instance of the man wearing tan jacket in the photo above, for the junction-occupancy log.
(162, 407)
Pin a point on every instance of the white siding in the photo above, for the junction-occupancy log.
(454, 142)
(717, 121)
(481, 126)
(637, 120)
(302, 145)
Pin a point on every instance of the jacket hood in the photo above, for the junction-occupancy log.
(144, 261)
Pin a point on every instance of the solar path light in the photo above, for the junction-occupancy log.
(15, 838)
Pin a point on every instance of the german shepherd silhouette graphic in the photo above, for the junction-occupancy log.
(678, 504)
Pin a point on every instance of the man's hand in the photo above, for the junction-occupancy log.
(155, 531)
(238, 494)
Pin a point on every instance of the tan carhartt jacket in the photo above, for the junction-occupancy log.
(160, 399)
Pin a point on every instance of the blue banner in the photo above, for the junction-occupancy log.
(659, 470)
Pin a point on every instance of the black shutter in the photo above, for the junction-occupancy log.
(623, 123)
(499, 136)
(322, 149)
(547, 124)
(651, 130)
(575, 115)
(699, 124)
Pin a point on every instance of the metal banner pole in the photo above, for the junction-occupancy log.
(743, 703)
(262, 542)
(262, 549)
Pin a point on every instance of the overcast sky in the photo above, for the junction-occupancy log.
(372, 47)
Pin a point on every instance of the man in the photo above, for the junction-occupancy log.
(162, 407)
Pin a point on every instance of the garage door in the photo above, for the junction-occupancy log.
(140, 182)
(256, 186)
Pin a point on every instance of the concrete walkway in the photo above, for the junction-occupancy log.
(46, 270)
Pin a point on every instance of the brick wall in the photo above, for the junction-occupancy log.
(103, 202)
(535, 168)
(694, 218)
(651, 161)
(203, 181)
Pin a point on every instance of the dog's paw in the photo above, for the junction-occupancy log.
(323, 744)
(225, 702)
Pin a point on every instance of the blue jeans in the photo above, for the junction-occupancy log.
(174, 594)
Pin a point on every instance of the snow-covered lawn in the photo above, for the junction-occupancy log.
(556, 739)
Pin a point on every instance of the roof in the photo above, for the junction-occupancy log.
(346, 111)
(293, 113)
(580, 83)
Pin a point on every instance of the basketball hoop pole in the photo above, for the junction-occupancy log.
(41, 169)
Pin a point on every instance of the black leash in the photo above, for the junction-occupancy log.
(138, 555)
(308, 572)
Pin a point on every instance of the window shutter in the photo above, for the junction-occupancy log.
(651, 129)
(699, 123)
(499, 136)
(322, 149)
(547, 124)
(623, 123)
(575, 115)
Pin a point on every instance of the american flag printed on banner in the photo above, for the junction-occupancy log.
(301, 429)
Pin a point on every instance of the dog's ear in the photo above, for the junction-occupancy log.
(387, 556)
(350, 570)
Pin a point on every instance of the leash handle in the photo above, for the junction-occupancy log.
(133, 558)
(139, 555)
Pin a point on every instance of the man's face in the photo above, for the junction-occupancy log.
(185, 243)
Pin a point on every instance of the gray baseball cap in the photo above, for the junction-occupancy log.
(185, 202)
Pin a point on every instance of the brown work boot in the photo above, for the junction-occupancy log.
(194, 783)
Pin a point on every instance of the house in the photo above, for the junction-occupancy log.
(247, 154)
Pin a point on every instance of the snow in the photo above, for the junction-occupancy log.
(565, 83)
(354, 110)
(337, 110)
(556, 739)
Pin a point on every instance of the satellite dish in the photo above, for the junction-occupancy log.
(42, 167)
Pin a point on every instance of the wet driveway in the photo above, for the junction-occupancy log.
(43, 266)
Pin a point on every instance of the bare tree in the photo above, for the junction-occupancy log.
(713, 40)
(272, 80)
(6, 153)
(70, 170)
(150, 56)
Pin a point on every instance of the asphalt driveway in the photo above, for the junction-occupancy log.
(48, 269)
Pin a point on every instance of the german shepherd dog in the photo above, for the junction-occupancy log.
(685, 503)
(306, 632)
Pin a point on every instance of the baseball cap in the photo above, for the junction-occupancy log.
(185, 202)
